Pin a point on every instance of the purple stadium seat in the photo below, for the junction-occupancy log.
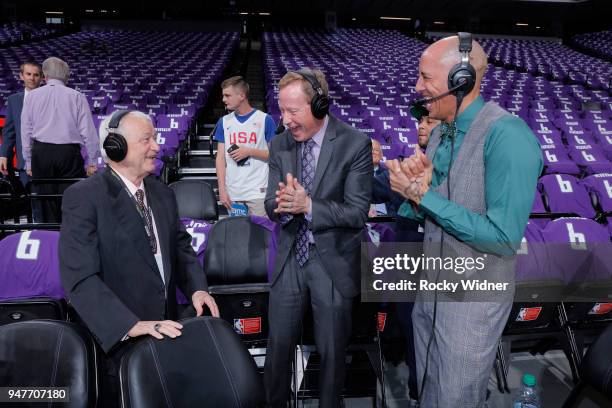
(575, 248)
(168, 140)
(601, 186)
(532, 257)
(30, 266)
(591, 158)
(565, 194)
(557, 160)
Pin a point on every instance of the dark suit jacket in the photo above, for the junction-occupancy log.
(11, 134)
(340, 200)
(406, 229)
(382, 193)
(107, 267)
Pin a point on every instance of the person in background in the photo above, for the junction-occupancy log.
(55, 122)
(31, 75)
(242, 150)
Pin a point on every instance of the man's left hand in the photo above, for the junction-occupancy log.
(201, 298)
(293, 201)
(91, 170)
(240, 153)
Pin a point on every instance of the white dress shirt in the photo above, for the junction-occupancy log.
(132, 188)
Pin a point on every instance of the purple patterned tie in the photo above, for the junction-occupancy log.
(147, 218)
(308, 173)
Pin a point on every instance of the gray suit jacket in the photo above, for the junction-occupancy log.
(12, 128)
(340, 200)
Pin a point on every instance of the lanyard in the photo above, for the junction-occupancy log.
(142, 214)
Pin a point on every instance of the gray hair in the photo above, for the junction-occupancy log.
(55, 68)
(104, 130)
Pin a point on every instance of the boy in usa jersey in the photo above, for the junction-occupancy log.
(242, 153)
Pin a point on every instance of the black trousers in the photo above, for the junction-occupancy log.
(55, 161)
(332, 327)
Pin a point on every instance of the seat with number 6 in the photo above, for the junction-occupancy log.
(31, 287)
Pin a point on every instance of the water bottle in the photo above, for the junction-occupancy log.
(527, 397)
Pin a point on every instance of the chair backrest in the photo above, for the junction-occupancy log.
(196, 199)
(597, 364)
(238, 251)
(206, 366)
(47, 353)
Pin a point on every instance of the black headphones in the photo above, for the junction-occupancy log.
(462, 76)
(115, 144)
(319, 105)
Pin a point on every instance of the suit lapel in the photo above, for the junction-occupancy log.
(295, 165)
(162, 223)
(327, 150)
(129, 220)
(20, 99)
(17, 119)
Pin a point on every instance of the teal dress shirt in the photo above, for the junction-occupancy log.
(513, 162)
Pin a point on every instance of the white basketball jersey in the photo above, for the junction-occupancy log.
(249, 181)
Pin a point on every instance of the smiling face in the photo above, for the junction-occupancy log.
(142, 146)
(31, 76)
(294, 105)
(435, 64)
(433, 81)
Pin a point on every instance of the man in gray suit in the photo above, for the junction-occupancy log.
(322, 211)
(473, 189)
(31, 75)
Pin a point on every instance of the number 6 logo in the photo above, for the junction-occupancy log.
(27, 248)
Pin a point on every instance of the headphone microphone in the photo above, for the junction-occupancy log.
(425, 101)
(461, 77)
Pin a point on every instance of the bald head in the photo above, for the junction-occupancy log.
(447, 52)
(434, 66)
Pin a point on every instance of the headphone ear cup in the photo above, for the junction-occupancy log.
(462, 74)
(319, 106)
(115, 147)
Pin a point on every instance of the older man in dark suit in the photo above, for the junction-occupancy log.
(323, 210)
(123, 250)
(31, 75)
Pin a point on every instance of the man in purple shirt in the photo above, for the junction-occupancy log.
(55, 122)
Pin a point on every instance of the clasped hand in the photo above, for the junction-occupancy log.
(291, 197)
(412, 177)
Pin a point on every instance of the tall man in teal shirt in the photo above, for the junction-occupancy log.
(494, 167)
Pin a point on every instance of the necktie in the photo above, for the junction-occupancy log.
(308, 173)
(146, 215)
(447, 129)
